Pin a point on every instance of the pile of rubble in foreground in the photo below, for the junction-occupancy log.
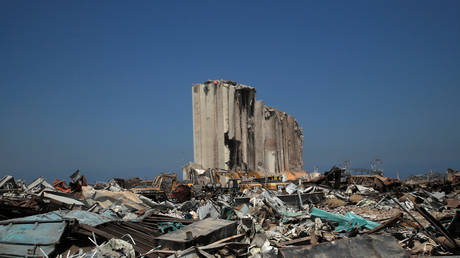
(331, 217)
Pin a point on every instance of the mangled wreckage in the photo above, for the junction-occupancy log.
(242, 198)
(303, 219)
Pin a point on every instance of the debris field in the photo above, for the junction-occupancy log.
(292, 215)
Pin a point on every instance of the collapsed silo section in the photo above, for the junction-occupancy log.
(234, 131)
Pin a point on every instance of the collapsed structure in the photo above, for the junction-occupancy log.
(234, 211)
(319, 217)
(232, 130)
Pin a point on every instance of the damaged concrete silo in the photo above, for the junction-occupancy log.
(234, 131)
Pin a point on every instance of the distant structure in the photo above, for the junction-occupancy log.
(234, 131)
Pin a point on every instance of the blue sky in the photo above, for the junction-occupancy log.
(105, 86)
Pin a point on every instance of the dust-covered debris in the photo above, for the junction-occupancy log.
(254, 216)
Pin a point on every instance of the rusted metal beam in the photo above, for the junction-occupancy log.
(435, 223)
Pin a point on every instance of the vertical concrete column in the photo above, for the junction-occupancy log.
(251, 129)
(299, 145)
(238, 128)
(209, 92)
(231, 123)
(220, 146)
(279, 143)
(231, 112)
(270, 146)
(225, 112)
(285, 138)
(292, 148)
(259, 135)
(203, 125)
(213, 127)
(244, 126)
(196, 123)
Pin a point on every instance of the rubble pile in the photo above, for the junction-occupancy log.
(317, 215)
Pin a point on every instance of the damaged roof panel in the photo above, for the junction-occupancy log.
(19, 237)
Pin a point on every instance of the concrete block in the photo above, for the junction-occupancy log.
(202, 232)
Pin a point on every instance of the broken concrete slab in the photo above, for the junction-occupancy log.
(106, 198)
(62, 198)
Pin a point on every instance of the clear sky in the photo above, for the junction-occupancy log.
(105, 86)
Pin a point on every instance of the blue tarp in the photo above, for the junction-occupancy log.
(346, 222)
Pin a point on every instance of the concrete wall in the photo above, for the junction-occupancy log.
(234, 131)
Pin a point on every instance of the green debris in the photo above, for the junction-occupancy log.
(347, 222)
(169, 226)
